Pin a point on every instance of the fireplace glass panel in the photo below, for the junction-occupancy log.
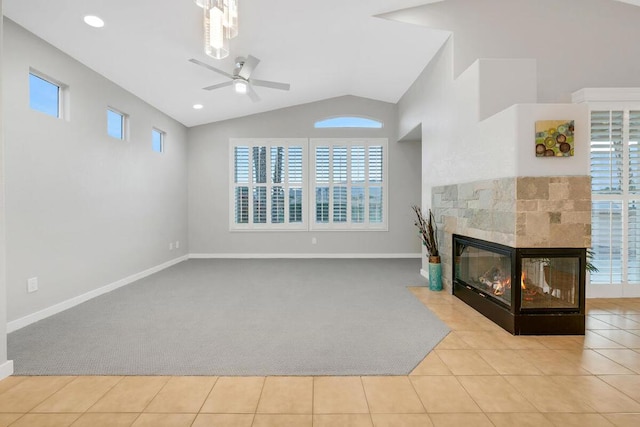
(550, 283)
(487, 271)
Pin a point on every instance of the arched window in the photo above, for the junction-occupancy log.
(348, 122)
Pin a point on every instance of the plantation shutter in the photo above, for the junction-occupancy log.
(322, 184)
(268, 184)
(271, 186)
(634, 152)
(259, 161)
(241, 180)
(633, 252)
(606, 241)
(340, 184)
(606, 152)
(295, 184)
(615, 185)
(349, 183)
(358, 181)
(606, 178)
(277, 190)
(375, 189)
(633, 212)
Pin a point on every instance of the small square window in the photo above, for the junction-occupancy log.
(44, 95)
(116, 124)
(157, 140)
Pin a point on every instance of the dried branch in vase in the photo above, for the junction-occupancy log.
(428, 231)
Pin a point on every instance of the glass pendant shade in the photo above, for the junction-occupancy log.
(231, 15)
(216, 45)
(202, 3)
(220, 25)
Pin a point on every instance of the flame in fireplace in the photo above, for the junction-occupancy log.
(501, 287)
(523, 277)
(496, 280)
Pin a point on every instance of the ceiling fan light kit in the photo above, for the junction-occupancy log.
(240, 85)
(220, 25)
(241, 78)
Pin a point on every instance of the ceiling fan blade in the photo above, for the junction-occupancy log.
(249, 65)
(272, 85)
(209, 67)
(218, 86)
(252, 94)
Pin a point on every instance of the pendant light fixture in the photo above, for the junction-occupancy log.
(220, 25)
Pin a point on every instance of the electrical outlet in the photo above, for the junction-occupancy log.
(171, 246)
(32, 284)
(314, 240)
(177, 244)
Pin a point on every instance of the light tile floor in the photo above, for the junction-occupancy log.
(479, 375)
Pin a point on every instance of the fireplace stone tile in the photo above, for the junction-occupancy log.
(516, 211)
(532, 188)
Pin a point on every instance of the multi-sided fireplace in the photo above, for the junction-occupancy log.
(527, 291)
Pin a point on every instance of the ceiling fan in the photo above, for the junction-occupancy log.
(241, 78)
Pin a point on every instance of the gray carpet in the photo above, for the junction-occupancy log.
(242, 317)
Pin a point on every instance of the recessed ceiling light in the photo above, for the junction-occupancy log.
(198, 106)
(93, 21)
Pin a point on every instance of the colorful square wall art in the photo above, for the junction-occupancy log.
(554, 138)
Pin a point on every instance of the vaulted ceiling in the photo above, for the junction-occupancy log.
(323, 49)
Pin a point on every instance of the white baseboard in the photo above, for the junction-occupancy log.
(612, 291)
(6, 369)
(298, 255)
(14, 325)
(424, 273)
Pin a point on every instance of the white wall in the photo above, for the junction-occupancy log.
(459, 146)
(6, 368)
(456, 146)
(209, 183)
(83, 210)
(577, 43)
(501, 81)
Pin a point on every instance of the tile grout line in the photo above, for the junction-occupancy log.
(51, 394)
(616, 388)
(22, 378)
(205, 400)
(255, 412)
(611, 339)
(151, 400)
(508, 385)
(313, 394)
(19, 418)
(97, 400)
(419, 398)
(105, 393)
(366, 399)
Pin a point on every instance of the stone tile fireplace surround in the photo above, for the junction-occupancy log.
(532, 212)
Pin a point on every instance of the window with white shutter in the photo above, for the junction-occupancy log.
(633, 203)
(349, 181)
(343, 181)
(615, 185)
(268, 177)
(606, 152)
(633, 249)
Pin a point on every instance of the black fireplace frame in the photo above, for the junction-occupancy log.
(515, 319)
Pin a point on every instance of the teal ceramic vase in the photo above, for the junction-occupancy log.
(435, 274)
